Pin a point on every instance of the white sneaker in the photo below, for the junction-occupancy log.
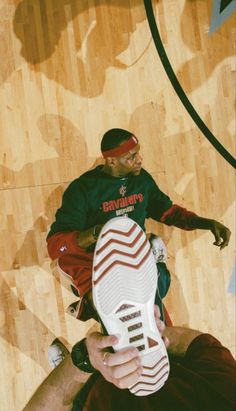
(124, 287)
(158, 249)
(57, 351)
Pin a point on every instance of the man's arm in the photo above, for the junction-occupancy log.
(62, 385)
(187, 220)
(59, 389)
(221, 233)
(122, 368)
(69, 231)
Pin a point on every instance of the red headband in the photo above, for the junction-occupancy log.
(123, 148)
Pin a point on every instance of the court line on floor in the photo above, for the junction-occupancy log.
(178, 88)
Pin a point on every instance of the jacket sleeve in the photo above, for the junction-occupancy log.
(158, 202)
(162, 209)
(179, 217)
(72, 215)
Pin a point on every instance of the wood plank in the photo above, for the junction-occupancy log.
(72, 70)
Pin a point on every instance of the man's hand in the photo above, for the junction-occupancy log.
(221, 233)
(122, 368)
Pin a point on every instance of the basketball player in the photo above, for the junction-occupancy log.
(120, 187)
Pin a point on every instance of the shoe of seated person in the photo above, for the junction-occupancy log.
(124, 286)
(57, 351)
(158, 249)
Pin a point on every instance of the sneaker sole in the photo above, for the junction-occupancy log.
(124, 287)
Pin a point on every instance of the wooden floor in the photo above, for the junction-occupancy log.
(68, 73)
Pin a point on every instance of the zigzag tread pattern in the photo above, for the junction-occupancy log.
(139, 385)
(122, 263)
(120, 242)
(133, 259)
(123, 253)
(123, 233)
(133, 274)
(157, 363)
